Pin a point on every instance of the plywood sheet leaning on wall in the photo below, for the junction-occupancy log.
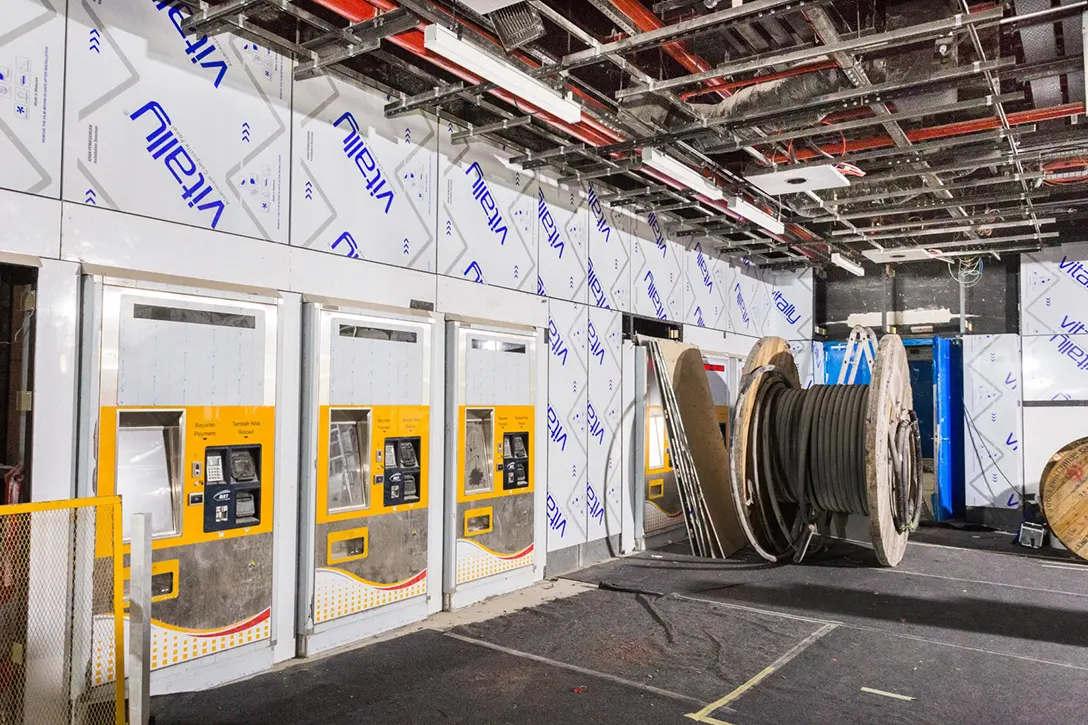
(1064, 488)
(684, 364)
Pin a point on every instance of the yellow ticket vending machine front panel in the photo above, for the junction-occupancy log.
(372, 501)
(371, 398)
(185, 433)
(495, 495)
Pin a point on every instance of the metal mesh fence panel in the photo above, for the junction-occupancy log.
(60, 614)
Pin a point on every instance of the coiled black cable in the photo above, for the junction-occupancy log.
(808, 461)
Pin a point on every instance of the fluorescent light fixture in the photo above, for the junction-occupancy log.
(754, 214)
(446, 44)
(681, 172)
(849, 265)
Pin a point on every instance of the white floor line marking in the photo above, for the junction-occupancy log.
(1067, 567)
(981, 581)
(575, 668)
(882, 693)
(964, 647)
(757, 610)
(704, 715)
(863, 628)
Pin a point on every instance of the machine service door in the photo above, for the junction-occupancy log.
(373, 435)
(185, 429)
(493, 392)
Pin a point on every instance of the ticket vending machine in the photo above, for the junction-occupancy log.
(493, 516)
(178, 417)
(723, 376)
(662, 509)
(370, 474)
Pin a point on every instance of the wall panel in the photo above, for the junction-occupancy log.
(32, 93)
(487, 215)
(608, 261)
(568, 375)
(993, 430)
(189, 129)
(657, 279)
(364, 186)
(603, 423)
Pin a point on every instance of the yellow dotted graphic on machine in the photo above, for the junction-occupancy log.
(654, 519)
(171, 646)
(475, 562)
(338, 594)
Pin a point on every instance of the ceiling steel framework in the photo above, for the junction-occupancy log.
(763, 85)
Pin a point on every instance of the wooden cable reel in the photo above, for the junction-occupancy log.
(887, 413)
(1064, 490)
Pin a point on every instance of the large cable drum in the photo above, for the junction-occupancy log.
(801, 457)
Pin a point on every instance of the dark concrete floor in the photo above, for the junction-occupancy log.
(951, 636)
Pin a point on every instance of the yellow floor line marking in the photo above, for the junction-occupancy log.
(704, 715)
(882, 693)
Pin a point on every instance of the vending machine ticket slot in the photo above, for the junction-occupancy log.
(232, 487)
(402, 471)
(515, 453)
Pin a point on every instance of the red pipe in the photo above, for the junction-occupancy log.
(1020, 118)
(645, 21)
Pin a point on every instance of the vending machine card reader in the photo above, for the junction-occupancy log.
(401, 483)
(515, 455)
(232, 487)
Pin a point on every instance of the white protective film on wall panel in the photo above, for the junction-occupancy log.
(561, 241)
(567, 405)
(31, 93)
(657, 284)
(1055, 367)
(704, 287)
(185, 128)
(487, 215)
(749, 303)
(604, 487)
(993, 429)
(791, 303)
(608, 264)
(819, 363)
(1047, 431)
(802, 355)
(1054, 291)
(364, 186)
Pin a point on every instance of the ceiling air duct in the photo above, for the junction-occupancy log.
(516, 23)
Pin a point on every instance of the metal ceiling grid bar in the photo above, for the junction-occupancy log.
(879, 41)
(984, 102)
(983, 228)
(899, 193)
(367, 39)
(971, 201)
